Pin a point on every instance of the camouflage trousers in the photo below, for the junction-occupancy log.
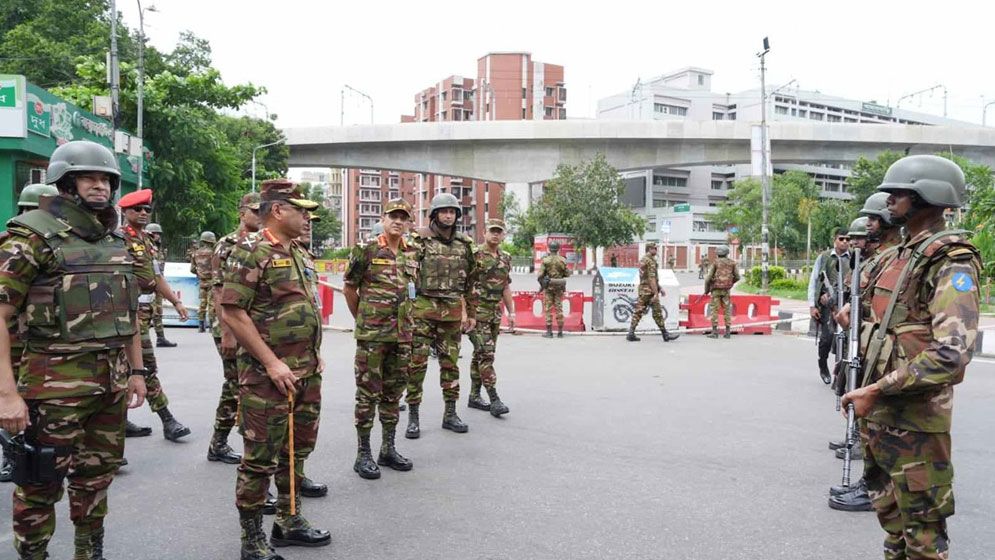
(155, 396)
(645, 300)
(265, 416)
(205, 301)
(552, 304)
(720, 297)
(227, 411)
(445, 337)
(381, 376)
(93, 426)
(157, 316)
(909, 478)
(484, 339)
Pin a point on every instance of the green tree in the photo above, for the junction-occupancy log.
(585, 201)
(867, 174)
(327, 230)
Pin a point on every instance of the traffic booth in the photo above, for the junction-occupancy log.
(616, 291)
(186, 287)
(746, 310)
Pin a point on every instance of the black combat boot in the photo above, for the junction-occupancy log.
(856, 500)
(202, 327)
(475, 400)
(559, 331)
(33, 555)
(312, 489)
(549, 331)
(497, 407)
(840, 489)
(451, 421)
(294, 530)
(715, 331)
(631, 337)
(728, 333)
(667, 337)
(364, 465)
(389, 457)
(219, 450)
(414, 430)
(171, 428)
(6, 468)
(824, 373)
(134, 430)
(162, 342)
(254, 543)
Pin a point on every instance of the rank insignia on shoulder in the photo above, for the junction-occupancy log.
(962, 282)
(281, 263)
(382, 261)
(138, 248)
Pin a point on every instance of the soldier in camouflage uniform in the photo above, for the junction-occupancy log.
(268, 302)
(492, 289)
(828, 267)
(379, 289)
(444, 300)
(27, 201)
(553, 272)
(77, 375)
(719, 279)
(154, 231)
(200, 265)
(920, 331)
(226, 413)
(649, 296)
(137, 207)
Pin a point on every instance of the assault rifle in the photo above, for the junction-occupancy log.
(32, 464)
(853, 366)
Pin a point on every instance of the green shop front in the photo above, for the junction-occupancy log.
(34, 122)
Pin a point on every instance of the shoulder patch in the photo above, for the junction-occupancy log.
(962, 282)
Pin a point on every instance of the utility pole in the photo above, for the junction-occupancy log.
(113, 76)
(764, 177)
(984, 113)
(368, 98)
(141, 87)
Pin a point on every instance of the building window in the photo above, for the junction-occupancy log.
(731, 116)
(815, 116)
(661, 203)
(665, 109)
(525, 93)
(833, 118)
(549, 92)
(716, 116)
(563, 114)
(716, 185)
(780, 110)
(549, 112)
(664, 181)
(523, 113)
(366, 181)
(701, 80)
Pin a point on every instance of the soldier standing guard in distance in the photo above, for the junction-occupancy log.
(924, 308)
(492, 289)
(649, 296)
(154, 231)
(137, 207)
(553, 279)
(27, 201)
(719, 279)
(444, 301)
(78, 374)
(822, 285)
(380, 291)
(269, 303)
(200, 265)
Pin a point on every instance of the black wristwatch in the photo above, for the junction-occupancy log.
(143, 372)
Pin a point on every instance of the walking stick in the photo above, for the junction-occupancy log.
(293, 466)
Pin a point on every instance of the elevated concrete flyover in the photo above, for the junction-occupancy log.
(527, 151)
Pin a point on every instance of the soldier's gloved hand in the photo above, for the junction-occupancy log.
(282, 377)
(13, 413)
(181, 310)
(136, 391)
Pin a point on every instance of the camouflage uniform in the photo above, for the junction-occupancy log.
(555, 267)
(830, 263)
(275, 287)
(721, 277)
(906, 437)
(159, 253)
(200, 264)
(445, 269)
(74, 372)
(648, 281)
(493, 276)
(227, 411)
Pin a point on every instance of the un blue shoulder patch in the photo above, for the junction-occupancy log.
(962, 282)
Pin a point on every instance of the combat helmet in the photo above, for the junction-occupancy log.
(722, 251)
(445, 200)
(858, 227)
(554, 247)
(938, 181)
(32, 193)
(81, 156)
(877, 205)
(208, 237)
(154, 228)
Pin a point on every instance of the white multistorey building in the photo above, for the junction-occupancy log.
(329, 180)
(677, 202)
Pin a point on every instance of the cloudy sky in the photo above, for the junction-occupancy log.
(304, 51)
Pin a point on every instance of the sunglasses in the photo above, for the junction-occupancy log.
(146, 209)
(842, 239)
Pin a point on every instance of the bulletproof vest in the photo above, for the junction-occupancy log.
(724, 275)
(444, 267)
(87, 298)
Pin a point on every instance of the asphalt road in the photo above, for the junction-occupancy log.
(697, 449)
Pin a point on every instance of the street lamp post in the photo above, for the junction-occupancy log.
(984, 113)
(254, 160)
(141, 87)
(764, 177)
(368, 98)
